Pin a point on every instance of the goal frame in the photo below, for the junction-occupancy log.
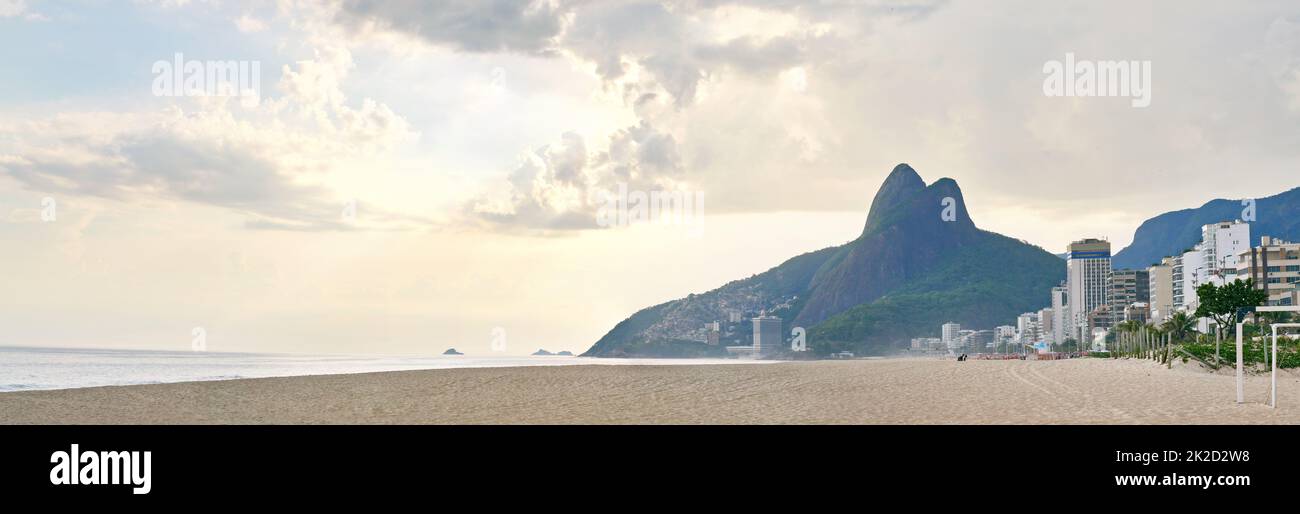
(1241, 393)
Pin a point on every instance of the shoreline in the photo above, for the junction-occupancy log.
(885, 391)
(47, 369)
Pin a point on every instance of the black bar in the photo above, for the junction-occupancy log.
(977, 463)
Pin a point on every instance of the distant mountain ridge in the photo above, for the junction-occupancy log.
(1173, 232)
(908, 272)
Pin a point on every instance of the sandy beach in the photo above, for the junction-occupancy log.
(1080, 391)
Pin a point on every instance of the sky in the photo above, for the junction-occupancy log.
(402, 177)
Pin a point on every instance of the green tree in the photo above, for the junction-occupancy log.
(1221, 303)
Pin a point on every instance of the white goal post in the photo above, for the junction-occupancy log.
(1241, 396)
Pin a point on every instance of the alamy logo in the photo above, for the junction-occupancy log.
(949, 212)
(623, 208)
(498, 341)
(200, 341)
(1099, 78)
(49, 210)
(101, 468)
(208, 78)
(798, 339)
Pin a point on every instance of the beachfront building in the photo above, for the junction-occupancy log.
(1087, 274)
(1211, 261)
(1027, 328)
(928, 344)
(1221, 243)
(980, 340)
(1100, 319)
(1139, 312)
(1160, 285)
(1127, 287)
(1060, 314)
(1045, 328)
(951, 334)
(1275, 267)
(1004, 336)
(1189, 272)
(767, 334)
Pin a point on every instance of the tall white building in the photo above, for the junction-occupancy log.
(1087, 274)
(1193, 275)
(1060, 314)
(1221, 243)
(1004, 334)
(1027, 328)
(1212, 261)
(951, 334)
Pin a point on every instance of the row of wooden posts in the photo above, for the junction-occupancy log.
(1144, 344)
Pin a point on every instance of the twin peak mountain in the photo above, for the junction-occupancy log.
(913, 268)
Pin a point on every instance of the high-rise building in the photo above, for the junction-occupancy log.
(1045, 328)
(1193, 274)
(951, 334)
(1139, 312)
(1087, 274)
(1274, 266)
(1160, 279)
(1004, 333)
(1211, 261)
(1178, 280)
(978, 340)
(1221, 243)
(767, 334)
(1027, 328)
(1127, 287)
(1060, 314)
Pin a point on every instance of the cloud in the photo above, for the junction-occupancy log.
(271, 162)
(173, 157)
(16, 8)
(11, 8)
(522, 26)
(555, 187)
(247, 23)
(659, 55)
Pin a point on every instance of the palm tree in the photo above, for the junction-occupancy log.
(1180, 325)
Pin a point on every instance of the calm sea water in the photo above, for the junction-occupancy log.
(27, 368)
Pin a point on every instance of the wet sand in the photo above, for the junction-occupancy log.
(899, 391)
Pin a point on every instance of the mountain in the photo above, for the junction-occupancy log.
(1172, 232)
(910, 270)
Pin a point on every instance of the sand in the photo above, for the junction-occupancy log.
(1079, 391)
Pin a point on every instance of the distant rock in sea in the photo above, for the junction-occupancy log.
(452, 351)
(542, 352)
(565, 353)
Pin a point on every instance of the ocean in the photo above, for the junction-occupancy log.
(32, 368)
